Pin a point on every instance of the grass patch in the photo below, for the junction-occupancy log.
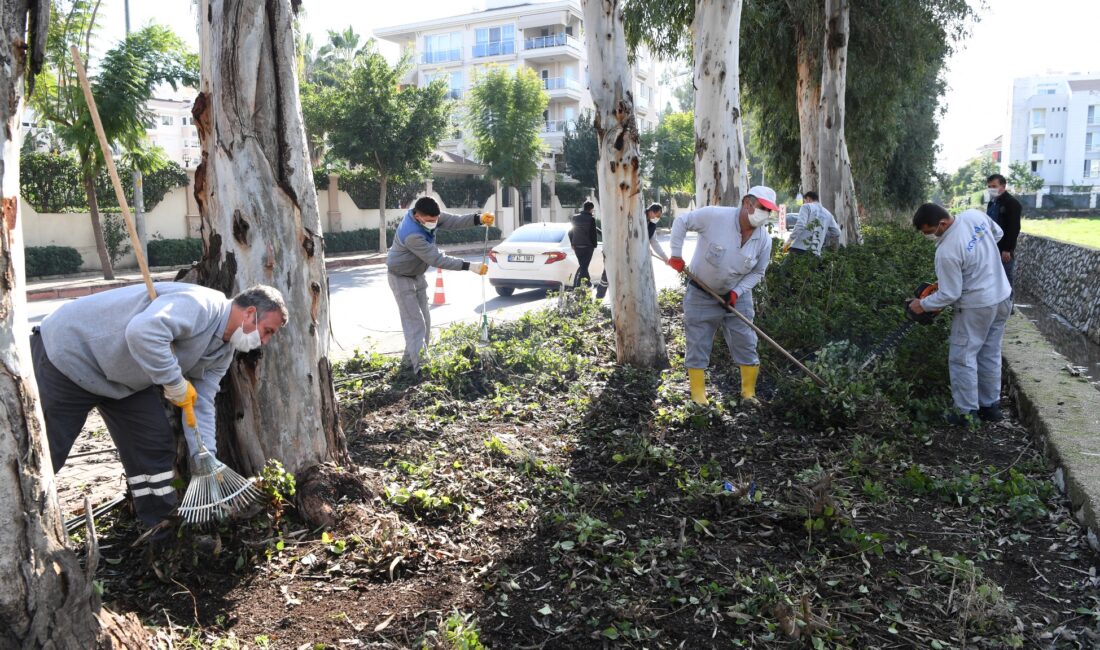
(1079, 231)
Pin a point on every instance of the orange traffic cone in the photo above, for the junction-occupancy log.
(439, 298)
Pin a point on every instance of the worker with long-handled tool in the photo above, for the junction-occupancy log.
(970, 278)
(731, 256)
(118, 350)
(412, 252)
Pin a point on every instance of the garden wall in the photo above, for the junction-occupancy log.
(1064, 278)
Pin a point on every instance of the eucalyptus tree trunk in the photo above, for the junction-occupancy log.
(383, 181)
(638, 339)
(261, 225)
(47, 600)
(809, 96)
(721, 173)
(837, 188)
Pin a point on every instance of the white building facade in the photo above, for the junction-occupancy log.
(1054, 128)
(547, 37)
(173, 129)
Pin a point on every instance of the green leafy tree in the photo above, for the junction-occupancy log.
(671, 153)
(1022, 179)
(504, 115)
(375, 123)
(581, 152)
(320, 74)
(128, 74)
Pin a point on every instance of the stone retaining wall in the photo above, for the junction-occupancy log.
(1064, 278)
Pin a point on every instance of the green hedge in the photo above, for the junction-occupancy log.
(174, 252)
(366, 239)
(570, 195)
(52, 183)
(463, 192)
(51, 260)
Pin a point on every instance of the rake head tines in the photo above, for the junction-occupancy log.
(215, 492)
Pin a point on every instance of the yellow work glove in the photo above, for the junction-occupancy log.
(787, 246)
(479, 269)
(183, 395)
(487, 219)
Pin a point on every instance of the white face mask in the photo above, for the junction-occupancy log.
(993, 193)
(931, 236)
(759, 217)
(242, 342)
(654, 219)
(430, 225)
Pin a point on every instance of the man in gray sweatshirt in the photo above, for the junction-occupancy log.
(412, 252)
(117, 350)
(730, 258)
(972, 279)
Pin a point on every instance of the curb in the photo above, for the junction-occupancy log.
(1063, 412)
(80, 290)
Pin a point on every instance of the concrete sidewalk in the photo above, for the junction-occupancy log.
(84, 284)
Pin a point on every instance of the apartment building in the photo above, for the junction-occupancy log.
(172, 128)
(1054, 128)
(545, 36)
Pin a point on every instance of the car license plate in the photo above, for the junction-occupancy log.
(521, 258)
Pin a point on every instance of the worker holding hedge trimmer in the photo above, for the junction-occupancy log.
(117, 350)
(972, 279)
(730, 258)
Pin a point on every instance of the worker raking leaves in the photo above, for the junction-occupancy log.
(117, 350)
(412, 252)
(731, 256)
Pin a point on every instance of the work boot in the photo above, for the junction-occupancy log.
(991, 413)
(748, 385)
(959, 419)
(698, 381)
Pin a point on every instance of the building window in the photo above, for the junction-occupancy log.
(1094, 115)
(495, 41)
(1036, 166)
(1092, 169)
(1047, 89)
(441, 48)
(1038, 118)
(1092, 142)
(166, 120)
(1036, 144)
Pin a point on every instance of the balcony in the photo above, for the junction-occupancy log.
(441, 56)
(555, 47)
(559, 87)
(557, 127)
(497, 48)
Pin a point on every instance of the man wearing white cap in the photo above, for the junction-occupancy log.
(730, 257)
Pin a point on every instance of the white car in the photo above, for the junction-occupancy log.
(538, 256)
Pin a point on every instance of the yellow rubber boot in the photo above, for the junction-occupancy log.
(748, 383)
(698, 385)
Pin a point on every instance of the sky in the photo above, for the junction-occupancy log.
(1013, 38)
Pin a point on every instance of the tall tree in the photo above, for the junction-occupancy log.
(504, 116)
(581, 152)
(376, 123)
(47, 600)
(721, 174)
(638, 339)
(128, 75)
(1022, 179)
(670, 150)
(320, 74)
(261, 224)
(836, 186)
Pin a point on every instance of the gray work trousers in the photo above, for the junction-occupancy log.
(974, 357)
(702, 318)
(138, 426)
(411, 294)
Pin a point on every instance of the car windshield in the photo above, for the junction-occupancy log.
(537, 235)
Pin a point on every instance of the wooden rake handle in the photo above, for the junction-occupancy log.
(119, 194)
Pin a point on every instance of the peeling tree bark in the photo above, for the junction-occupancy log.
(47, 600)
(837, 188)
(809, 96)
(721, 172)
(638, 338)
(261, 225)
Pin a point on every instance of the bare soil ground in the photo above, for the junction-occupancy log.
(544, 497)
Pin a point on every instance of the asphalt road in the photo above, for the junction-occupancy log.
(364, 314)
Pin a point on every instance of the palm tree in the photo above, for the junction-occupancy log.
(128, 75)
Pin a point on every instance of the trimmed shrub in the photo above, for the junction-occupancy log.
(363, 188)
(51, 183)
(468, 192)
(51, 260)
(570, 195)
(174, 252)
